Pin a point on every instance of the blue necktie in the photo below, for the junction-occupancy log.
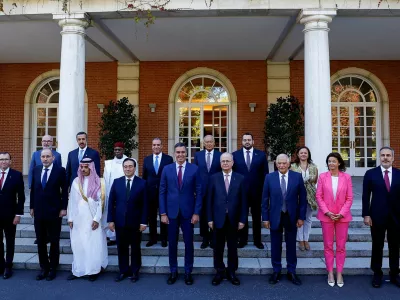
(80, 155)
(156, 165)
(44, 178)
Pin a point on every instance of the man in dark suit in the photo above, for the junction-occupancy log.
(48, 203)
(127, 216)
(12, 199)
(227, 213)
(284, 206)
(75, 156)
(253, 165)
(153, 166)
(180, 206)
(208, 161)
(381, 211)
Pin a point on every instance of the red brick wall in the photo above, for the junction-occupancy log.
(101, 86)
(249, 79)
(386, 71)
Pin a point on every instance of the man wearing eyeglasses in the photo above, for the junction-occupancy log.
(47, 143)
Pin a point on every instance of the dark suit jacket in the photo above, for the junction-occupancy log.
(153, 179)
(218, 200)
(253, 179)
(188, 200)
(48, 202)
(200, 161)
(129, 213)
(272, 200)
(12, 196)
(382, 203)
(36, 161)
(73, 163)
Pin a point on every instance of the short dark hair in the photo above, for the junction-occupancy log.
(129, 159)
(248, 133)
(297, 158)
(180, 144)
(4, 153)
(80, 133)
(342, 165)
(156, 139)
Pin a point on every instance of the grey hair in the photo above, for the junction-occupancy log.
(387, 148)
(157, 139)
(226, 153)
(209, 135)
(48, 136)
(283, 155)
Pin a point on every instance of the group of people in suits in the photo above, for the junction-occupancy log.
(217, 190)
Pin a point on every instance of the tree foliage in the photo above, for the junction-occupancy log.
(118, 124)
(283, 126)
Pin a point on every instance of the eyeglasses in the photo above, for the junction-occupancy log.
(226, 161)
(4, 159)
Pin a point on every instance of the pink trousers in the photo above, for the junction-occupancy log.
(330, 230)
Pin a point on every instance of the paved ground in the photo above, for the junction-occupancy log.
(23, 286)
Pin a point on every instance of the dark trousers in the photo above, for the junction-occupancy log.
(276, 245)
(9, 229)
(255, 208)
(173, 234)
(378, 241)
(205, 231)
(153, 213)
(128, 236)
(228, 233)
(48, 230)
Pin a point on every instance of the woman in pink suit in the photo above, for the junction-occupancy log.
(334, 197)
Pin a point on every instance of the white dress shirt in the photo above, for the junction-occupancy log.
(229, 176)
(245, 154)
(183, 168)
(84, 151)
(389, 174)
(211, 156)
(286, 178)
(159, 159)
(48, 172)
(335, 183)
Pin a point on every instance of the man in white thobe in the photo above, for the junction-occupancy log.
(113, 169)
(86, 220)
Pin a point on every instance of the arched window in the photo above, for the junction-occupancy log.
(355, 122)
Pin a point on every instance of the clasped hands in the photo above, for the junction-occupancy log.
(334, 217)
(195, 219)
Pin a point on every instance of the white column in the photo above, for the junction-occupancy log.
(317, 95)
(71, 110)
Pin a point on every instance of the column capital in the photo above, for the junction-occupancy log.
(315, 19)
(73, 23)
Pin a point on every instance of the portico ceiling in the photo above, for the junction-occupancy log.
(228, 37)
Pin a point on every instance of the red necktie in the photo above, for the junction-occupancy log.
(387, 182)
(2, 179)
(180, 177)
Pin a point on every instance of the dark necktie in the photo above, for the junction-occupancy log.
(2, 179)
(248, 160)
(387, 181)
(180, 177)
(208, 161)
(44, 178)
(128, 189)
(283, 189)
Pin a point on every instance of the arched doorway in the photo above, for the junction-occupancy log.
(356, 122)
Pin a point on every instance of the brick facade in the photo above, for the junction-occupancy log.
(101, 86)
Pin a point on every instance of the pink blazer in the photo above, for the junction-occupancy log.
(327, 203)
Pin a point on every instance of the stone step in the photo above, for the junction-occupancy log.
(356, 223)
(354, 249)
(204, 265)
(355, 234)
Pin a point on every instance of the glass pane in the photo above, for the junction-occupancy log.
(41, 112)
(370, 97)
(224, 122)
(195, 111)
(41, 98)
(55, 85)
(335, 142)
(54, 98)
(183, 112)
(345, 153)
(195, 142)
(202, 97)
(344, 111)
(347, 162)
(371, 121)
(223, 97)
(198, 83)
(188, 88)
(351, 96)
(224, 143)
(183, 140)
(52, 112)
(345, 82)
(224, 111)
(224, 132)
(359, 142)
(356, 82)
(371, 131)
(371, 111)
(344, 131)
(334, 131)
(344, 142)
(344, 121)
(365, 88)
(359, 152)
(217, 88)
(371, 162)
(216, 132)
(39, 142)
(52, 131)
(208, 83)
(371, 141)
(40, 132)
(359, 121)
(358, 111)
(195, 122)
(371, 152)
(183, 132)
(195, 131)
(334, 121)
(336, 89)
(360, 162)
(52, 121)
(207, 130)
(46, 90)
(183, 97)
(334, 150)
(193, 151)
(41, 122)
(359, 131)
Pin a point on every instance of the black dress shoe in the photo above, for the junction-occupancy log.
(188, 279)
(111, 243)
(259, 245)
(172, 278)
(52, 274)
(42, 275)
(135, 277)
(377, 280)
(232, 278)
(72, 277)
(204, 244)
(151, 243)
(393, 279)
(164, 244)
(217, 279)
(275, 277)
(7, 273)
(293, 278)
(241, 244)
(93, 277)
(211, 245)
(120, 277)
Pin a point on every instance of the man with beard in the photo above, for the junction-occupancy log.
(86, 220)
(253, 165)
